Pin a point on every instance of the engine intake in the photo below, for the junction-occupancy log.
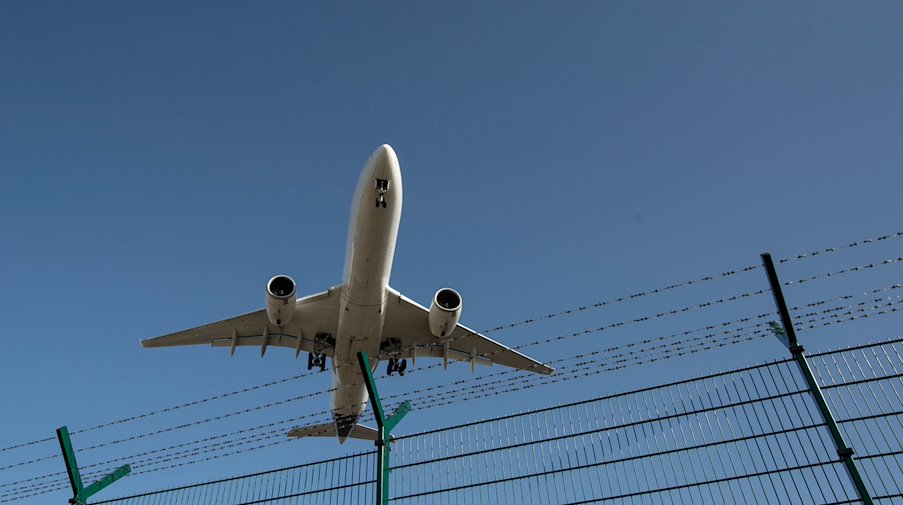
(281, 291)
(445, 312)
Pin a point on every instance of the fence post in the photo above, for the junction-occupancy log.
(787, 335)
(80, 493)
(385, 425)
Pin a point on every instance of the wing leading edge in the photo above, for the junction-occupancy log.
(407, 326)
(314, 315)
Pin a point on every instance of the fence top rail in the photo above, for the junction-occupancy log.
(510, 416)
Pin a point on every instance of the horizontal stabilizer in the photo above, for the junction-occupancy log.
(359, 432)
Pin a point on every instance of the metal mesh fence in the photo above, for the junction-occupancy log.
(752, 435)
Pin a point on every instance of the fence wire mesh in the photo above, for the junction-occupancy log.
(746, 436)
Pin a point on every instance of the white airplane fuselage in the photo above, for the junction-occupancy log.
(372, 233)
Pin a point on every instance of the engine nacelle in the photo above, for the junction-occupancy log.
(281, 300)
(445, 312)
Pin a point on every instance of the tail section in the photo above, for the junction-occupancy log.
(357, 431)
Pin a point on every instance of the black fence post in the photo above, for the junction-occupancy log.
(787, 335)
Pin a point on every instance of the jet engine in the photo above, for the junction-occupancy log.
(445, 312)
(281, 300)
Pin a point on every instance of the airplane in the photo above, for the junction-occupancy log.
(362, 314)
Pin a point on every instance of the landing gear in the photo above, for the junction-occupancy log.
(316, 360)
(396, 365)
(382, 187)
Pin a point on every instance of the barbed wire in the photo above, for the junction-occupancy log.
(169, 429)
(164, 410)
(483, 383)
(497, 328)
(637, 320)
(570, 311)
(487, 389)
(855, 311)
(566, 312)
(666, 351)
(686, 309)
(851, 245)
(588, 368)
(711, 277)
(269, 444)
(64, 485)
(861, 268)
(482, 380)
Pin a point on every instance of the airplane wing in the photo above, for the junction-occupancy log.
(315, 316)
(407, 328)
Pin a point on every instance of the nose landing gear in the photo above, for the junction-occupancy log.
(382, 187)
(316, 360)
(396, 365)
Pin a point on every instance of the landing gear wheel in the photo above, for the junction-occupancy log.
(315, 360)
(391, 367)
(402, 367)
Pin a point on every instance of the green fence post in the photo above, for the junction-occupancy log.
(75, 479)
(787, 336)
(79, 492)
(384, 430)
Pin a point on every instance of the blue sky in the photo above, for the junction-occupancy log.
(161, 161)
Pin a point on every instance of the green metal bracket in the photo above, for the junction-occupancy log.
(779, 332)
(786, 334)
(80, 493)
(397, 414)
(385, 425)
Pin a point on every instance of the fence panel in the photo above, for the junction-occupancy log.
(747, 436)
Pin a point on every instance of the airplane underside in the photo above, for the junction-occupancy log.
(363, 314)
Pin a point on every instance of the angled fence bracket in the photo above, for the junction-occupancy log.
(80, 493)
(787, 335)
(385, 426)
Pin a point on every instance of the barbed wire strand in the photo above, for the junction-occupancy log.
(538, 342)
(633, 355)
(503, 327)
(577, 372)
(858, 243)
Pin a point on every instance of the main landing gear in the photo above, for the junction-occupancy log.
(316, 360)
(396, 365)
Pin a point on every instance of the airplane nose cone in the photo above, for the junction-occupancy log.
(384, 155)
(384, 164)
